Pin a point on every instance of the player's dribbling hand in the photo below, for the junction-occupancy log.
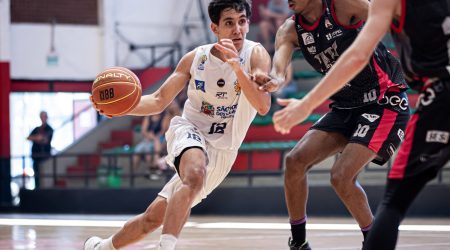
(96, 107)
(294, 112)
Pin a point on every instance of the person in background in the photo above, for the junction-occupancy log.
(41, 137)
(272, 16)
(150, 145)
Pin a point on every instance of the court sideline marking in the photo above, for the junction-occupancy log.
(215, 225)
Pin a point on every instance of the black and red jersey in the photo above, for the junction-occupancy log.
(324, 41)
(421, 35)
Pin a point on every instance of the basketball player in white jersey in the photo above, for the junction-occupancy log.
(202, 144)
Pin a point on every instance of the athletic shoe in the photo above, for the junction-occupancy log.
(92, 243)
(295, 246)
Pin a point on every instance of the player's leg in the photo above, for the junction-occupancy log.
(141, 225)
(343, 179)
(187, 154)
(192, 172)
(377, 132)
(399, 195)
(314, 147)
(133, 230)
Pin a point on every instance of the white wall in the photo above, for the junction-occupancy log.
(77, 48)
(4, 30)
(85, 50)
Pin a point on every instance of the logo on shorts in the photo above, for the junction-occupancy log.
(371, 117)
(401, 134)
(200, 85)
(437, 136)
(391, 149)
(394, 101)
(307, 38)
(207, 109)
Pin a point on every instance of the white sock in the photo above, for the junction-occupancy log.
(107, 244)
(167, 242)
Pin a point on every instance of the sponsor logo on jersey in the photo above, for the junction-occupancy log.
(307, 38)
(401, 134)
(221, 95)
(226, 111)
(207, 109)
(334, 34)
(328, 56)
(371, 117)
(437, 136)
(201, 62)
(394, 101)
(221, 82)
(200, 85)
(237, 87)
(328, 24)
(312, 49)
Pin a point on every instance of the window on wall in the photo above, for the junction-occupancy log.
(70, 115)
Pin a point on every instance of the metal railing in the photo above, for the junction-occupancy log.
(120, 165)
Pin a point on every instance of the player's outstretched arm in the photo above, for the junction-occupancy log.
(260, 63)
(285, 42)
(156, 102)
(346, 68)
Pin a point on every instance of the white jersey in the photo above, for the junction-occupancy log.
(216, 105)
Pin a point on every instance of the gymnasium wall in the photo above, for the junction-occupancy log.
(89, 37)
(5, 86)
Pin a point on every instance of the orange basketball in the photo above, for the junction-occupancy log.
(116, 91)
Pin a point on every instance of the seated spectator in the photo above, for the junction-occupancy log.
(272, 16)
(150, 146)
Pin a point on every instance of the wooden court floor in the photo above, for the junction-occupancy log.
(67, 232)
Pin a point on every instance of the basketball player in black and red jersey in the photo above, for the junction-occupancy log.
(367, 118)
(421, 31)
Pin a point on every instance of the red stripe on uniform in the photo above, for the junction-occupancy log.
(383, 80)
(398, 169)
(383, 130)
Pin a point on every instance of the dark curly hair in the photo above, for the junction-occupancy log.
(216, 7)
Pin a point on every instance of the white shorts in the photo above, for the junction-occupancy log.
(182, 134)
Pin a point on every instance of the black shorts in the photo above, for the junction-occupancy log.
(426, 144)
(379, 127)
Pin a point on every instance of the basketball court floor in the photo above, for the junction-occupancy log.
(68, 232)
